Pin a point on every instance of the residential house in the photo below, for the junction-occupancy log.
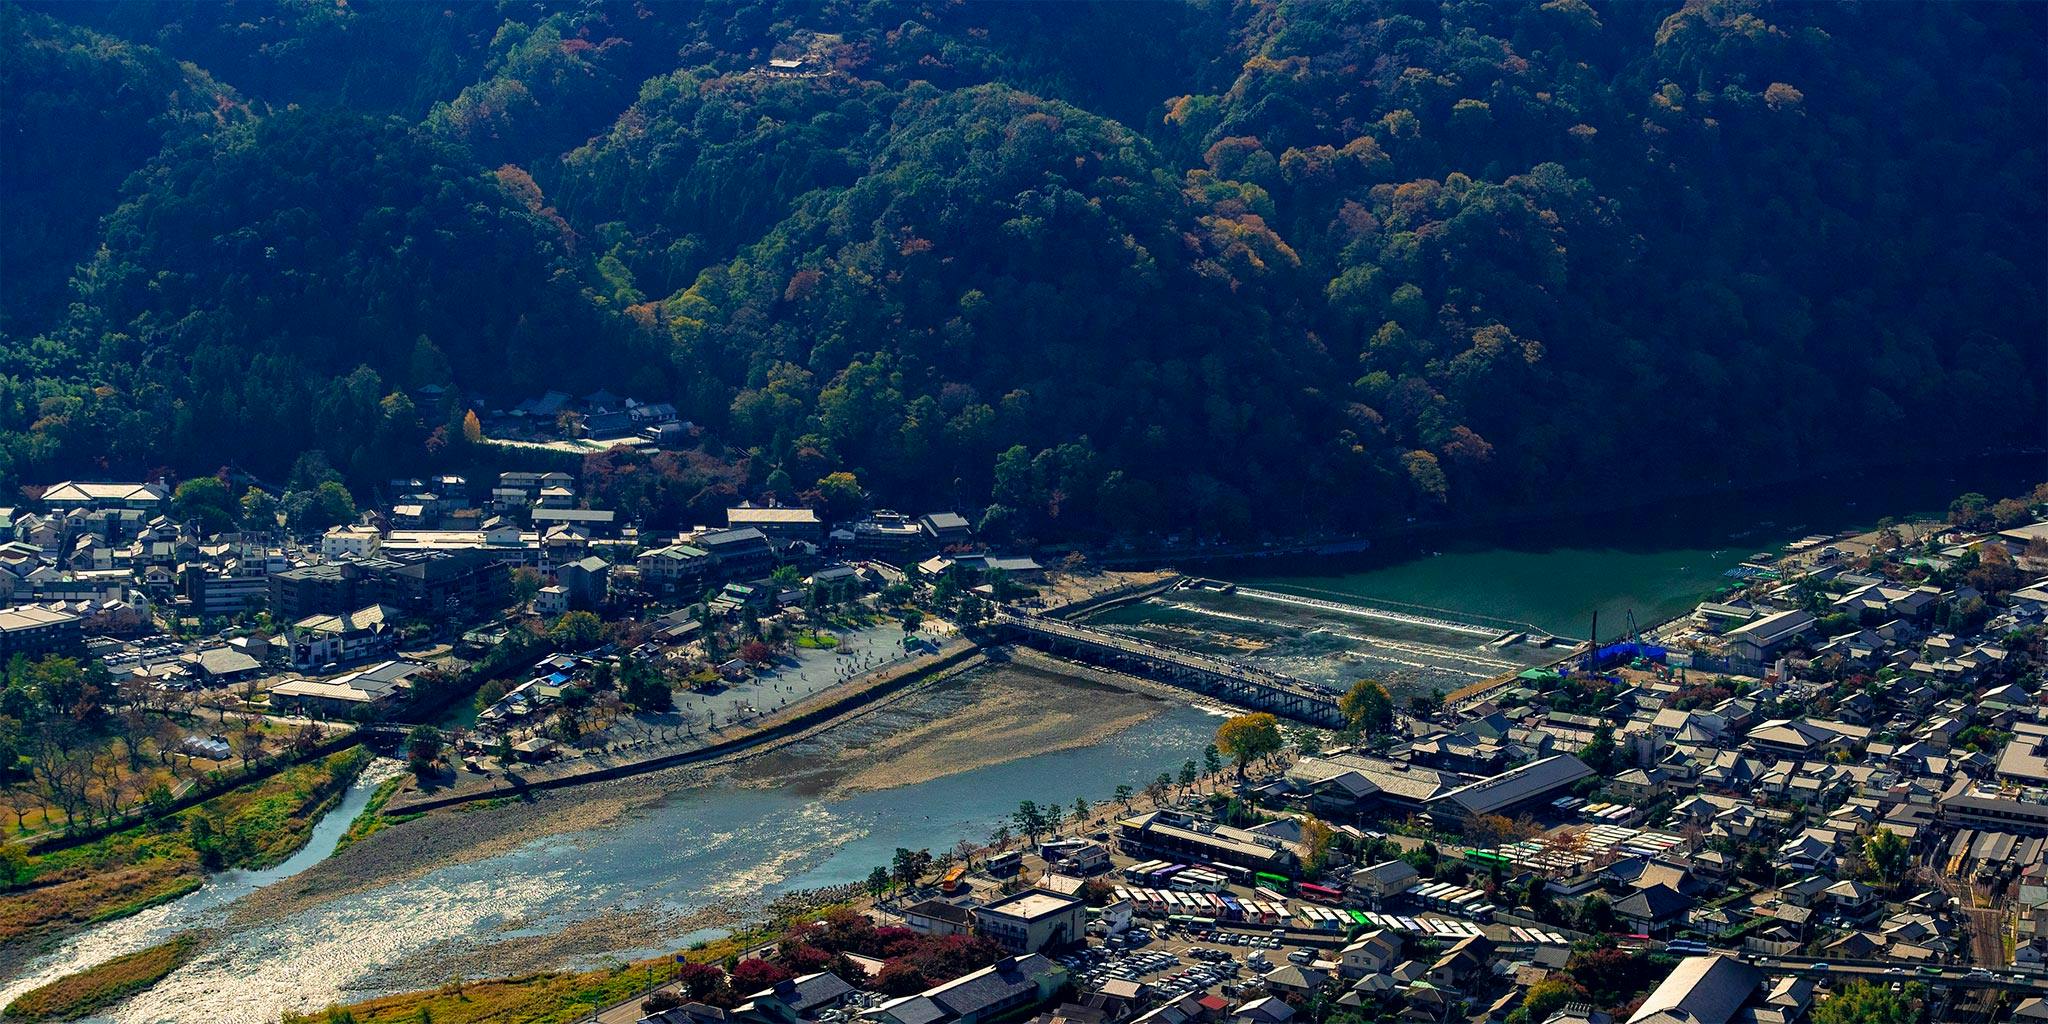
(1700, 990)
(1004, 988)
(805, 997)
(1654, 911)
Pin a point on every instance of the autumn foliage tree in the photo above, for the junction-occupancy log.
(1367, 706)
(1246, 738)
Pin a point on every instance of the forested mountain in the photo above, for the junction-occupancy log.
(1212, 267)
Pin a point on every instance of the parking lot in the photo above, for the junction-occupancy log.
(1176, 963)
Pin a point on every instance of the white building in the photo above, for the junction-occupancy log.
(352, 541)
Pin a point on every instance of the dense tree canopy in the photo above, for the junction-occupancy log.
(1220, 268)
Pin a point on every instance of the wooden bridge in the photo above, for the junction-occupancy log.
(1226, 680)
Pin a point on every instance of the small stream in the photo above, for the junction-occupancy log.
(203, 907)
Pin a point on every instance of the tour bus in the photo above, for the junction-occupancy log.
(1238, 875)
(1142, 871)
(1320, 893)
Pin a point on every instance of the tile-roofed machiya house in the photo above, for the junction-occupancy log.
(1008, 985)
(1800, 737)
(1540, 779)
(800, 998)
(1700, 990)
(1653, 910)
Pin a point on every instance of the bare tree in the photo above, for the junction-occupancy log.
(252, 740)
(21, 797)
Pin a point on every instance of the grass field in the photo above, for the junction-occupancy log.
(550, 998)
(255, 826)
(99, 987)
(373, 819)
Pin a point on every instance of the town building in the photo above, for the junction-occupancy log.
(738, 554)
(1171, 832)
(1753, 643)
(780, 523)
(1514, 789)
(31, 630)
(370, 691)
(666, 570)
(1031, 921)
(77, 494)
(342, 637)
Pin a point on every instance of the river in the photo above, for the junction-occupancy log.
(701, 847)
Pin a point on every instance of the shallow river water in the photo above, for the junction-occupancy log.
(701, 847)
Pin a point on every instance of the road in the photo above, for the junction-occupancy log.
(1959, 976)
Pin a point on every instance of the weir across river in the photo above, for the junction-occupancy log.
(1482, 627)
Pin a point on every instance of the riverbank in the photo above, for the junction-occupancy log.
(102, 985)
(816, 710)
(125, 873)
(989, 714)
